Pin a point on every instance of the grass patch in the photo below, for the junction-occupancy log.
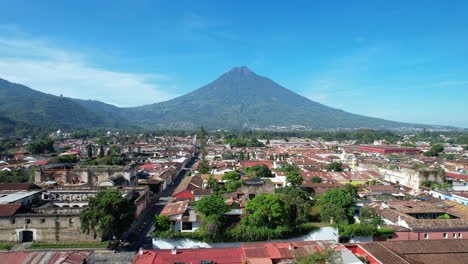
(241, 234)
(5, 246)
(71, 245)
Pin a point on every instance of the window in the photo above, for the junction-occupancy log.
(12, 221)
(71, 220)
(187, 226)
(445, 235)
(426, 236)
(27, 221)
(454, 235)
(459, 235)
(42, 220)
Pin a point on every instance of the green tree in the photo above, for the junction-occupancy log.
(231, 176)
(162, 223)
(266, 210)
(108, 214)
(212, 206)
(204, 167)
(287, 167)
(231, 186)
(40, 146)
(326, 256)
(316, 179)
(101, 151)
(241, 155)
(330, 210)
(351, 190)
(211, 182)
(435, 150)
(341, 199)
(335, 166)
(258, 171)
(371, 216)
(89, 151)
(294, 178)
(298, 203)
(13, 176)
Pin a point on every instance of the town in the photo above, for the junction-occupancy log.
(212, 196)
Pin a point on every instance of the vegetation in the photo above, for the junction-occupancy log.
(266, 210)
(294, 178)
(212, 208)
(326, 256)
(435, 150)
(113, 160)
(162, 223)
(337, 204)
(71, 245)
(5, 246)
(335, 166)
(244, 143)
(13, 176)
(371, 216)
(109, 214)
(258, 171)
(231, 176)
(444, 216)
(287, 167)
(40, 146)
(316, 179)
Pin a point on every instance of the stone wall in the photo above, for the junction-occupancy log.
(45, 228)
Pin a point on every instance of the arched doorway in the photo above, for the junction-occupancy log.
(26, 236)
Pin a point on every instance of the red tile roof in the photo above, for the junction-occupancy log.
(175, 208)
(46, 257)
(9, 209)
(165, 256)
(253, 163)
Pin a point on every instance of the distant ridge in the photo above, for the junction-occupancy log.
(238, 99)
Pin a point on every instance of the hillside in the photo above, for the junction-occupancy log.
(19, 103)
(242, 99)
(239, 99)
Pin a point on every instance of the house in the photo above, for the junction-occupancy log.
(409, 252)
(248, 190)
(191, 188)
(184, 217)
(198, 255)
(253, 253)
(319, 188)
(425, 220)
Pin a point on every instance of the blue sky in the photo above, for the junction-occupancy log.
(398, 60)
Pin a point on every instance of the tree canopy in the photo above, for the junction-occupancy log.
(316, 179)
(294, 178)
(162, 223)
(40, 146)
(335, 166)
(108, 214)
(258, 171)
(341, 199)
(266, 210)
(212, 206)
(231, 176)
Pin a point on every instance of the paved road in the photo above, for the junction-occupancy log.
(141, 235)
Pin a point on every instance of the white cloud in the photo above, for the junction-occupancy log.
(41, 66)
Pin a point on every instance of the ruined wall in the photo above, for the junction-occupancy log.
(46, 228)
(408, 177)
